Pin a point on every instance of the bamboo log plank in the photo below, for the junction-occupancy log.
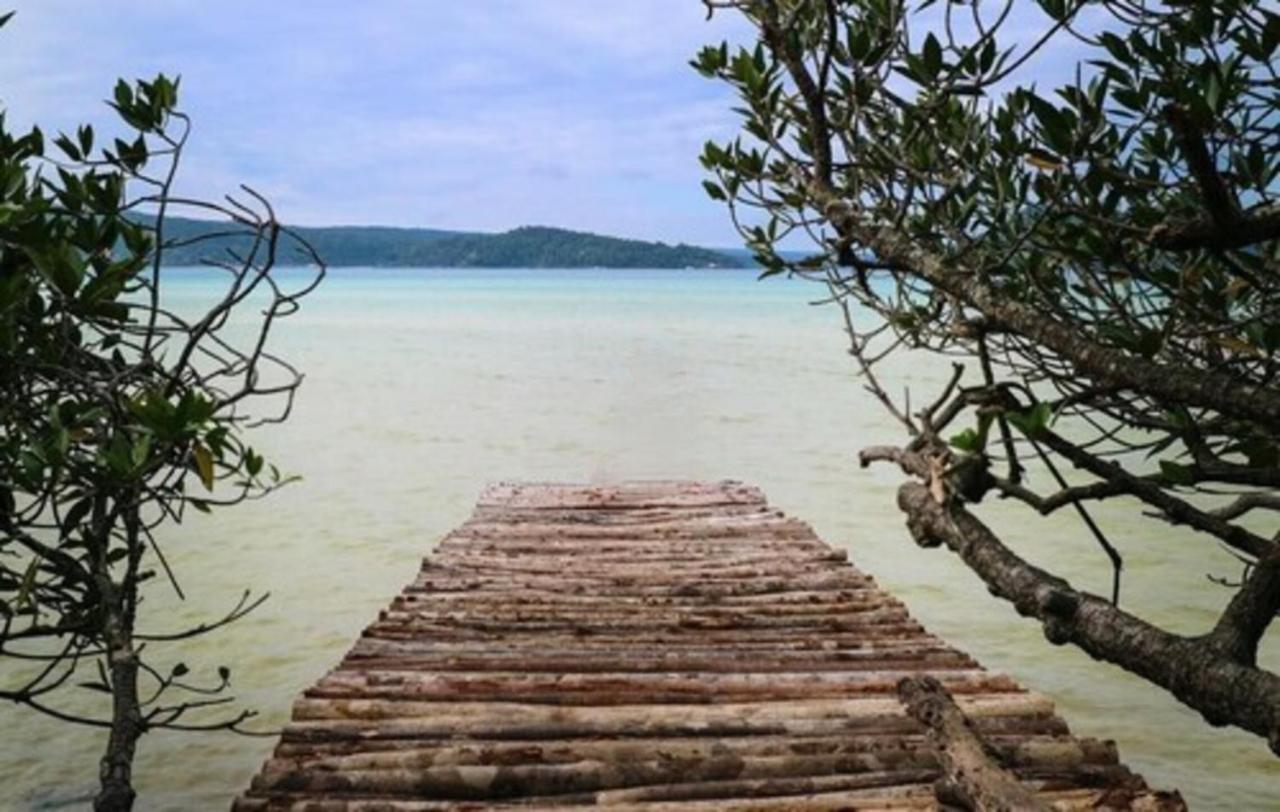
(1059, 752)
(657, 645)
(621, 688)
(500, 751)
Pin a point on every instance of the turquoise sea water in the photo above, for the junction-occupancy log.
(423, 385)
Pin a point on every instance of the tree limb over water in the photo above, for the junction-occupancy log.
(1105, 257)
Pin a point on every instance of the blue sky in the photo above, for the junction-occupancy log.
(483, 115)
(480, 115)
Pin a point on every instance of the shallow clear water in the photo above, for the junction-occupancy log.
(424, 385)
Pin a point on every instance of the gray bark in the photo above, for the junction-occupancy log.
(116, 793)
(1207, 673)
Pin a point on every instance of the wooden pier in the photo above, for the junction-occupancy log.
(659, 645)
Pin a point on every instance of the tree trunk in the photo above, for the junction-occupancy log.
(116, 768)
(972, 778)
(1201, 672)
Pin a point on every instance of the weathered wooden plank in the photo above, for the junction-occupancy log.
(519, 495)
(658, 645)
(620, 688)
(1048, 751)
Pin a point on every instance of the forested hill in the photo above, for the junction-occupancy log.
(525, 247)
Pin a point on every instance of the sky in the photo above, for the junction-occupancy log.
(482, 115)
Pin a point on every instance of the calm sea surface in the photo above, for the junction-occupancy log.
(423, 385)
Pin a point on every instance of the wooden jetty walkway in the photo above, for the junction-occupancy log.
(655, 646)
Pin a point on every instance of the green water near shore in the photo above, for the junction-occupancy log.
(424, 385)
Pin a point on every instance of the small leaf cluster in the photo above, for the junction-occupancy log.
(116, 414)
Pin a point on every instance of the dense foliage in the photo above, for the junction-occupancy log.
(526, 247)
(1104, 252)
(117, 414)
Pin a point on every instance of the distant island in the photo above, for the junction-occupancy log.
(524, 247)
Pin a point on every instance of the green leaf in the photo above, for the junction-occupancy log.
(123, 94)
(1175, 473)
(1057, 9)
(988, 56)
(141, 450)
(713, 190)
(60, 265)
(69, 147)
(252, 462)
(932, 55)
(118, 455)
(1032, 421)
(968, 440)
(1212, 90)
(858, 43)
(1056, 125)
(73, 517)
